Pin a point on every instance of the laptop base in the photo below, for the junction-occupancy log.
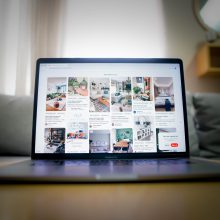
(100, 171)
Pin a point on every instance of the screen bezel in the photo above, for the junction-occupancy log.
(109, 155)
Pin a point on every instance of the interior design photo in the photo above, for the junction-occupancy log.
(122, 140)
(121, 100)
(99, 95)
(56, 94)
(77, 130)
(142, 128)
(54, 139)
(142, 88)
(99, 141)
(164, 94)
(78, 86)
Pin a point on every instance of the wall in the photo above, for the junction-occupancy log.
(100, 138)
(183, 37)
(124, 133)
(114, 28)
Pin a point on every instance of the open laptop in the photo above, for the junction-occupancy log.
(98, 120)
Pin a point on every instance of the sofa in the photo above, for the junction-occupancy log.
(203, 111)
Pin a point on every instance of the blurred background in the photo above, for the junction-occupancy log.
(99, 28)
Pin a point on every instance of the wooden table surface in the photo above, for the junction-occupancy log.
(182, 200)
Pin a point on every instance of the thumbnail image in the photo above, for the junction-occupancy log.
(142, 89)
(122, 140)
(99, 95)
(78, 86)
(54, 139)
(166, 139)
(164, 95)
(121, 94)
(142, 128)
(56, 94)
(99, 141)
(77, 130)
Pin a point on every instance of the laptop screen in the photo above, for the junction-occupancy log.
(110, 108)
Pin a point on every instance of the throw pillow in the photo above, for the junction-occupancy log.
(15, 125)
(193, 138)
(207, 106)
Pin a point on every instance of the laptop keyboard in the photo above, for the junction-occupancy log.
(138, 162)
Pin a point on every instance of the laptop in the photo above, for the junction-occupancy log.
(109, 120)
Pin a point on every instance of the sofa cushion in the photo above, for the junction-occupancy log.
(207, 106)
(15, 125)
(193, 138)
